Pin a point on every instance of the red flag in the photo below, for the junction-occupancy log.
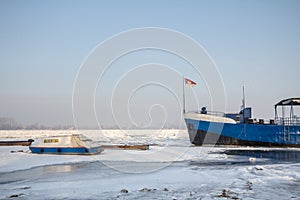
(189, 82)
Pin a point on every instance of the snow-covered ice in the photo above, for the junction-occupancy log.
(171, 169)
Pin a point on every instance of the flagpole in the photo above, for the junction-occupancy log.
(183, 94)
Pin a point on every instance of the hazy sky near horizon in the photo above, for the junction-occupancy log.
(44, 43)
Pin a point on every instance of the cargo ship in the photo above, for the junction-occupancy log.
(207, 127)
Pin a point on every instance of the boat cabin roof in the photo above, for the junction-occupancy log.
(289, 102)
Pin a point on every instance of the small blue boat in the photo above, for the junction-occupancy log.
(207, 127)
(66, 144)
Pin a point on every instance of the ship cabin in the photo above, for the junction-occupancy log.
(288, 115)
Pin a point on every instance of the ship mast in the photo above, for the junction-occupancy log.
(243, 102)
(244, 99)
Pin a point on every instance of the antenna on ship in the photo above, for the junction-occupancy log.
(244, 99)
(243, 102)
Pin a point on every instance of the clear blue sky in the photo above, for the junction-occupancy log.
(43, 43)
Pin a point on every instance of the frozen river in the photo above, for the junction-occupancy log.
(170, 169)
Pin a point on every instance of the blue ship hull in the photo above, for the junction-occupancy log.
(205, 132)
(66, 150)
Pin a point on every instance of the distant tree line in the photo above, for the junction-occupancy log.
(7, 123)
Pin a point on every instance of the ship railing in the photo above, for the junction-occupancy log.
(289, 121)
(214, 113)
